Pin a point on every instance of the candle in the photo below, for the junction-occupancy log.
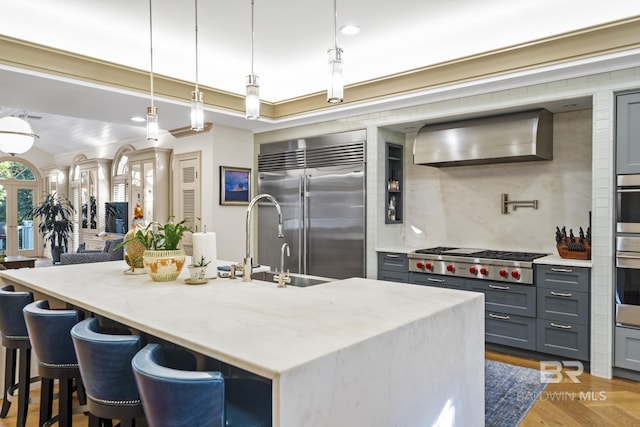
(204, 244)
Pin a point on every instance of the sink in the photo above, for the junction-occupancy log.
(299, 280)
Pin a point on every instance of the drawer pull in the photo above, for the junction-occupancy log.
(562, 270)
(561, 294)
(495, 316)
(392, 256)
(500, 288)
(429, 279)
(555, 325)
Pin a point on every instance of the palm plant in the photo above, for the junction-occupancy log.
(55, 216)
(160, 237)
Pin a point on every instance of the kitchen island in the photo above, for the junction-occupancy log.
(353, 352)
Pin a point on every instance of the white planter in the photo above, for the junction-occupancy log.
(198, 274)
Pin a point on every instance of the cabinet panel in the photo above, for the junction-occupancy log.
(563, 339)
(628, 134)
(437, 280)
(393, 276)
(506, 297)
(514, 331)
(563, 278)
(627, 348)
(393, 261)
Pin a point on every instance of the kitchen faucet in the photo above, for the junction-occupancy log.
(247, 262)
(283, 278)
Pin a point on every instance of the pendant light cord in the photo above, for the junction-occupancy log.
(151, 47)
(335, 24)
(196, 8)
(252, 36)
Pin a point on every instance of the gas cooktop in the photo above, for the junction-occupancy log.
(485, 264)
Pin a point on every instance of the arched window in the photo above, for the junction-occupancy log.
(10, 169)
(120, 174)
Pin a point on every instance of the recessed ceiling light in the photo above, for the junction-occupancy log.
(137, 119)
(349, 30)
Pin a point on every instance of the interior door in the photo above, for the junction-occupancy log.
(335, 221)
(17, 232)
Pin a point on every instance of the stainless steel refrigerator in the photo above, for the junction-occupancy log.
(320, 185)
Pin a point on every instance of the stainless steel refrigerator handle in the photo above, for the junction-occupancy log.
(628, 190)
(302, 253)
(305, 223)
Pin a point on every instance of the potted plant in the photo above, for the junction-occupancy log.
(198, 270)
(55, 214)
(162, 258)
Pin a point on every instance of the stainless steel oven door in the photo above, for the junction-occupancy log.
(627, 286)
(628, 204)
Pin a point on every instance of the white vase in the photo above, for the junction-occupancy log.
(164, 266)
(197, 274)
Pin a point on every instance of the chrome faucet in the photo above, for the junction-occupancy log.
(247, 262)
(283, 278)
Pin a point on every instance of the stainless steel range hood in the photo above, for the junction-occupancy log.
(517, 137)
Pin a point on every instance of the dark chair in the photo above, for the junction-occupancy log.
(15, 340)
(176, 398)
(49, 331)
(105, 366)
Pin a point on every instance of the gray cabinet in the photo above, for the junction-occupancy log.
(511, 330)
(437, 281)
(628, 133)
(627, 348)
(563, 311)
(393, 266)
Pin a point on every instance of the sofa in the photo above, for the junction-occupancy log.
(108, 253)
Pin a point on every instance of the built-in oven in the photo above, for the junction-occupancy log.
(628, 281)
(628, 204)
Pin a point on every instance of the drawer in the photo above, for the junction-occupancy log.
(563, 278)
(393, 276)
(506, 297)
(627, 348)
(514, 331)
(391, 261)
(437, 280)
(563, 306)
(564, 339)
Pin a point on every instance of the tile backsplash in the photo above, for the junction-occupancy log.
(461, 206)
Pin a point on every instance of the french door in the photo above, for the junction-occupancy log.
(18, 234)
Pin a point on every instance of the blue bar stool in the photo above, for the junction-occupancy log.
(15, 340)
(105, 366)
(49, 331)
(177, 398)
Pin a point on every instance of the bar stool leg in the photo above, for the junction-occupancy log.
(46, 400)
(64, 412)
(9, 379)
(25, 382)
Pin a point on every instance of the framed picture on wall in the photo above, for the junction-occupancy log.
(234, 185)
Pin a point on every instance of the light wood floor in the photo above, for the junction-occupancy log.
(594, 402)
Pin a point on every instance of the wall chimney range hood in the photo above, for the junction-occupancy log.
(517, 137)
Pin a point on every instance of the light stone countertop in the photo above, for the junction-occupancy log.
(349, 352)
(558, 260)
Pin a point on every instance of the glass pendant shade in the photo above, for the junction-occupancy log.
(152, 123)
(197, 111)
(16, 135)
(335, 87)
(252, 100)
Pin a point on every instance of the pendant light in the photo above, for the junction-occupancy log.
(152, 111)
(197, 104)
(16, 135)
(335, 88)
(252, 99)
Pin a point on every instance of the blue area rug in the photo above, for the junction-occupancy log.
(510, 391)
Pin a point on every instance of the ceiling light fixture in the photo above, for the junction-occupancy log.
(152, 111)
(349, 30)
(197, 105)
(252, 99)
(335, 89)
(16, 135)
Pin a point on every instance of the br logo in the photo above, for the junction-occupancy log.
(551, 371)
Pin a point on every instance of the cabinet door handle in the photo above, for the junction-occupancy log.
(562, 270)
(555, 325)
(392, 256)
(500, 288)
(561, 294)
(495, 316)
(435, 280)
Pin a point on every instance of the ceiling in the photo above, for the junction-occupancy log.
(291, 42)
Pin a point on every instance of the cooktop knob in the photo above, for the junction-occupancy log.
(503, 273)
(515, 274)
(484, 271)
(419, 264)
(428, 266)
(473, 270)
(449, 268)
